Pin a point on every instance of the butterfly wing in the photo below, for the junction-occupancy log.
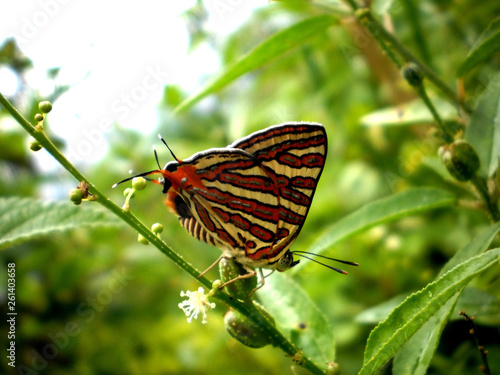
(252, 197)
(223, 197)
(294, 155)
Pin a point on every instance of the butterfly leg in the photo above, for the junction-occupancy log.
(250, 273)
(262, 281)
(212, 266)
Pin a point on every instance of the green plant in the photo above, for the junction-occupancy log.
(409, 328)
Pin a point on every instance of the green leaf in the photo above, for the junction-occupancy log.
(415, 356)
(25, 219)
(299, 318)
(483, 132)
(479, 244)
(411, 113)
(376, 314)
(437, 166)
(486, 46)
(390, 335)
(266, 51)
(381, 211)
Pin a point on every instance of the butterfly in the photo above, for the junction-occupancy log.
(251, 198)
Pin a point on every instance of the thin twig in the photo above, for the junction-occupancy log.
(491, 206)
(448, 138)
(485, 368)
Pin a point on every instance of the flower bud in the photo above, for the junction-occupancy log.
(138, 183)
(333, 369)
(460, 159)
(35, 145)
(127, 191)
(45, 106)
(142, 239)
(39, 117)
(244, 330)
(76, 196)
(216, 285)
(298, 357)
(229, 270)
(157, 228)
(412, 74)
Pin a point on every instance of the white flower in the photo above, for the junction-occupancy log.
(197, 302)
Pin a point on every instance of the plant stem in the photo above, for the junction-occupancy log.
(491, 206)
(100, 197)
(353, 4)
(387, 42)
(366, 18)
(474, 332)
(448, 138)
(275, 336)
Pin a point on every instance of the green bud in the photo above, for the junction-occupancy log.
(244, 330)
(35, 145)
(460, 159)
(412, 74)
(127, 192)
(138, 183)
(229, 270)
(333, 369)
(216, 284)
(76, 196)
(298, 357)
(39, 117)
(157, 228)
(142, 239)
(45, 106)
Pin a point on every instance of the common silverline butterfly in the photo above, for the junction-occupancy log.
(251, 198)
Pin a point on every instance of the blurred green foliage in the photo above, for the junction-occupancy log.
(109, 304)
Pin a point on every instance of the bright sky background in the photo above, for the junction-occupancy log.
(118, 55)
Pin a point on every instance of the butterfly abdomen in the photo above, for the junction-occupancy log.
(196, 230)
(177, 205)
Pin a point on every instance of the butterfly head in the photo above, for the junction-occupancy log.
(286, 262)
(169, 168)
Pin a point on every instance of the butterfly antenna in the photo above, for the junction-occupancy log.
(156, 157)
(301, 254)
(165, 143)
(159, 170)
(137, 175)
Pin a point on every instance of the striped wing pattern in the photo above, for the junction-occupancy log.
(251, 198)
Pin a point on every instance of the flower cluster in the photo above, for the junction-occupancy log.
(197, 303)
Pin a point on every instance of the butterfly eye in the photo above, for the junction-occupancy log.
(166, 185)
(286, 262)
(171, 166)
